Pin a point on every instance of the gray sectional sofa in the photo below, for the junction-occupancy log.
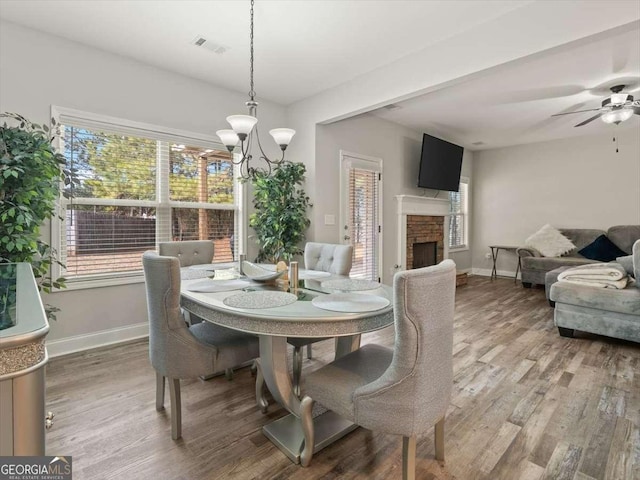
(604, 311)
(535, 266)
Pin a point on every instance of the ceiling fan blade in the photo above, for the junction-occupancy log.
(577, 111)
(590, 119)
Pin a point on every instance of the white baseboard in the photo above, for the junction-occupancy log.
(464, 270)
(78, 343)
(486, 272)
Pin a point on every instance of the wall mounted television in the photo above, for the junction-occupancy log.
(440, 164)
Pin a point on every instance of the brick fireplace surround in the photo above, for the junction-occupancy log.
(422, 229)
(420, 219)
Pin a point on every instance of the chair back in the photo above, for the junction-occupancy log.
(328, 257)
(189, 252)
(414, 392)
(174, 352)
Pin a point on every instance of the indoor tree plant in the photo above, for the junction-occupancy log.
(32, 174)
(280, 217)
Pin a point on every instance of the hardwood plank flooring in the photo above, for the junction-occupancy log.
(526, 404)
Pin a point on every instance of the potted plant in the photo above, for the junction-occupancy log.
(280, 217)
(32, 174)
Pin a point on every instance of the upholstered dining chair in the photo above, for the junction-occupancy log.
(404, 391)
(196, 252)
(189, 252)
(177, 351)
(325, 257)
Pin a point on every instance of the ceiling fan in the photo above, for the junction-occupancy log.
(615, 109)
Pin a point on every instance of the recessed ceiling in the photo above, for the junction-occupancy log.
(301, 47)
(513, 104)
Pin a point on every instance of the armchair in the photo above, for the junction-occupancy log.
(402, 391)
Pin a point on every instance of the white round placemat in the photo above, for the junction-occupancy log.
(350, 302)
(350, 284)
(187, 273)
(260, 299)
(203, 266)
(218, 285)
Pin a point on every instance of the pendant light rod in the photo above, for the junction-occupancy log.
(243, 126)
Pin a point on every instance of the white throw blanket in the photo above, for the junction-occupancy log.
(605, 275)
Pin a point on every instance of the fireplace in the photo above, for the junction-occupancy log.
(425, 254)
(421, 220)
(426, 233)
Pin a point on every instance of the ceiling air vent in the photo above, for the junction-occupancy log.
(478, 143)
(201, 41)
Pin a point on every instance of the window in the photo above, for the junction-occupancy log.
(139, 186)
(459, 217)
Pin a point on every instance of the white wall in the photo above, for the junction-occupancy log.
(490, 45)
(38, 70)
(575, 183)
(399, 149)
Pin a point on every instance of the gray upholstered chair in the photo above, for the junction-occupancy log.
(324, 257)
(177, 351)
(196, 252)
(404, 391)
(189, 252)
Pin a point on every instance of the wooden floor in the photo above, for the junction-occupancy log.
(526, 404)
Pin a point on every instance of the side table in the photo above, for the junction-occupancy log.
(494, 256)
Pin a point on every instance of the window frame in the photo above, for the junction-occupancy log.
(465, 218)
(161, 203)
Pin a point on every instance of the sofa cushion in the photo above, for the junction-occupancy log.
(580, 237)
(601, 249)
(608, 299)
(624, 236)
(546, 264)
(549, 242)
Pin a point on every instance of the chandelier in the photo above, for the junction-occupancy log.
(242, 129)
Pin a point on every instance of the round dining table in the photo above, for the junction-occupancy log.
(273, 325)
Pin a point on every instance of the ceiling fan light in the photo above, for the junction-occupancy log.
(242, 124)
(617, 116)
(618, 98)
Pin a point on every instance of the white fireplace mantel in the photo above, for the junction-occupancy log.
(415, 205)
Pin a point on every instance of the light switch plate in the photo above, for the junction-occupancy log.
(329, 219)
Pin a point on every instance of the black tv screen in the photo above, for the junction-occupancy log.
(440, 164)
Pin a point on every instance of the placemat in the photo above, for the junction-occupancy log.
(218, 285)
(187, 273)
(350, 284)
(260, 299)
(350, 302)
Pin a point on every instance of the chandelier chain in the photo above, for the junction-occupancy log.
(252, 92)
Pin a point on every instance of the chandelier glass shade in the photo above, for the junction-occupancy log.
(243, 128)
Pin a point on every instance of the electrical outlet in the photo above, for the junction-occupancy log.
(487, 256)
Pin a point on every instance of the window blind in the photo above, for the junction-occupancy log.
(363, 222)
(457, 219)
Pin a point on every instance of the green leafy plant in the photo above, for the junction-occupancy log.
(280, 217)
(31, 177)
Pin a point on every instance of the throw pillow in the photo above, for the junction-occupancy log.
(601, 249)
(549, 242)
(627, 263)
